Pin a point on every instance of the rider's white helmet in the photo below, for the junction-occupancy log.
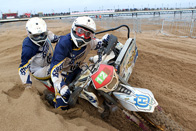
(82, 31)
(37, 30)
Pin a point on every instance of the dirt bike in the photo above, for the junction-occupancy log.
(104, 84)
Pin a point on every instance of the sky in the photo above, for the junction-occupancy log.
(58, 6)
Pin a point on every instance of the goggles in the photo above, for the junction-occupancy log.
(38, 37)
(81, 32)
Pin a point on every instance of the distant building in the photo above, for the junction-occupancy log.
(9, 15)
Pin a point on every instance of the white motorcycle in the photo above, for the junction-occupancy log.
(104, 85)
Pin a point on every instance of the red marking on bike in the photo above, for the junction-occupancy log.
(103, 76)
(50, 88)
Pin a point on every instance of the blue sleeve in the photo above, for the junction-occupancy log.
(62, 50)
(28, 51)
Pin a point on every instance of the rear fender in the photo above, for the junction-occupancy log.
(136, 99)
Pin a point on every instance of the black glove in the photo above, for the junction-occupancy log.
(105, 40)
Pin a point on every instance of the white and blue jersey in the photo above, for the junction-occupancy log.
(67, 59)
(65, 65)
(36, 59)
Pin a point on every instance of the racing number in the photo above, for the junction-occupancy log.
(101, 77)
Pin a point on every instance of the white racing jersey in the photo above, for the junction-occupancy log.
(36, 59)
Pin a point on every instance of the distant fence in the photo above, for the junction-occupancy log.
(172, 27)
(182, 28)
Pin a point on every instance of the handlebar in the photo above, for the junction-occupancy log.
(111, 44)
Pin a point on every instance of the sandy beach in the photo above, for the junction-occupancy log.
(165, 65)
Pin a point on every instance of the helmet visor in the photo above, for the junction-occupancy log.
(83, 33)
(38, 37)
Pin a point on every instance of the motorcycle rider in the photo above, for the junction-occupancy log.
(37, 52)
(69, 55)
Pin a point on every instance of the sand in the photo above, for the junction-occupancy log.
(166, 66)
